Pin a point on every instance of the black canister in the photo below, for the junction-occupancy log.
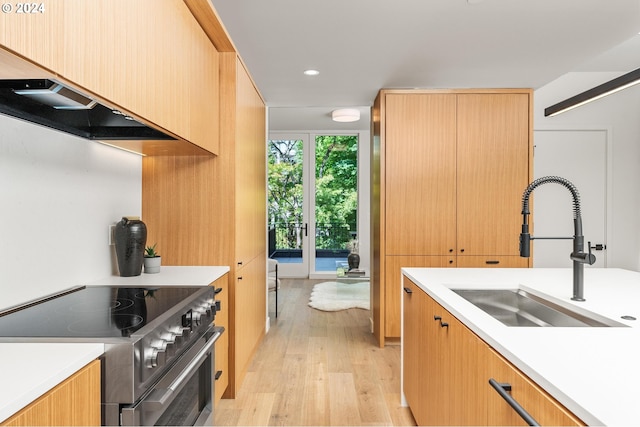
(130, 238)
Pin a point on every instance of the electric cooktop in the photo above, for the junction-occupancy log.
(93, 312)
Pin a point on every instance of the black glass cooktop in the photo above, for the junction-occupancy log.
(100, 312)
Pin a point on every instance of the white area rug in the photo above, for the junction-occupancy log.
(334, 296)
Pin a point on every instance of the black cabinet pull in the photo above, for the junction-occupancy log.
(240, 278)
(409, 291)
(218, 375)
(239, 262)
(489, 261)
(442, 324)
(461, 250)
(450, 261)
(502, 389)
(217, 291)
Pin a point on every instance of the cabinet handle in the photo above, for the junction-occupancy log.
(218, 374)
(240, 278)
(502, 389)
(450, 261)
(239, 262)
(409, 291)
(492, 262)
(217, 291)
(442, 324)
(450, 250)
(461, 250)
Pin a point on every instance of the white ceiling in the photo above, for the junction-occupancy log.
(361, 46)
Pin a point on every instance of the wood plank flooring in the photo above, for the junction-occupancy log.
(317, 368)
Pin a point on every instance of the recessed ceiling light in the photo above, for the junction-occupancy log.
(311, 72)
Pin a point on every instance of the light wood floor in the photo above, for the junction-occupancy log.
(317, 368)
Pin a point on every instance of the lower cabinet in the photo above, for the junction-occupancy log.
(74, 402)
(543, 408)
(446, 372)
(221, 374)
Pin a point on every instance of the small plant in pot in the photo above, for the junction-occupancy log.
(152, 260)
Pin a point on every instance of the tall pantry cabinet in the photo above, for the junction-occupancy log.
(449, 168)
(211, 210)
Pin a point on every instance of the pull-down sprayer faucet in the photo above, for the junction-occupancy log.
(578, 256)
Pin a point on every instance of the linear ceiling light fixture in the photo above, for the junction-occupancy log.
(612, 86)
(345, 115)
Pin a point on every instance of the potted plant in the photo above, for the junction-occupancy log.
(152, 260)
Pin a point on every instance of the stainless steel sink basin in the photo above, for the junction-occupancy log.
(517, 307)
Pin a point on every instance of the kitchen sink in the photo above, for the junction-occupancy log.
(517, 307)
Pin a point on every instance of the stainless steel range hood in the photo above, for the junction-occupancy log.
(51, 104)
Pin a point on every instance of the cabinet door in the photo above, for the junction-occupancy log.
(457, 371)
(420, 178)
(416, 360)
(542, 407)
(250, 169)
(74, 402)
(222, 345)
(493, 171)
(250, 313)
(392, 291)
(36, 36)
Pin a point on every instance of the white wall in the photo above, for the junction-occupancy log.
(59, 194)
(620, 115)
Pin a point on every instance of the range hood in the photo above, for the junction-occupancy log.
(51, 104)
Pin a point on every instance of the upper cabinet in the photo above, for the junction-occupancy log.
(151, 60)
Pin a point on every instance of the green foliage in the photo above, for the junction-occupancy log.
(336, 191)
(150, 251)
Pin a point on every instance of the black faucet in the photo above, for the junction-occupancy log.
(578, 256)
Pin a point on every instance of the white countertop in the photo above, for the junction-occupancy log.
(169, 276)
(593, 371)
(28, 370)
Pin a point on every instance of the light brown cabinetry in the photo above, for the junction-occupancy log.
(221, 374)
(446, 372)
(212, 211)
(542, 407)
(448, 174)
(438, 370)
(149, 59)
(74, 402)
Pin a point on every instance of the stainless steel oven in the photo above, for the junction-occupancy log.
(184, 395)
(158, 365)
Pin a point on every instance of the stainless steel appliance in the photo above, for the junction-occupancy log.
(158, 364)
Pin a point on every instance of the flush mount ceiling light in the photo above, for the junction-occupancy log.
(311, 72)
(345, 115)
(612, 86)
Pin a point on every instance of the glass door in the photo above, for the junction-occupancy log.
(313, 202)
(335, 202)
(288, 222)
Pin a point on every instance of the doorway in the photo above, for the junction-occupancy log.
(312, 202)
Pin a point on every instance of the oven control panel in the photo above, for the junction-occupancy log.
(165, 343)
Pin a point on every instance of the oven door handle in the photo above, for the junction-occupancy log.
(157, 402)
